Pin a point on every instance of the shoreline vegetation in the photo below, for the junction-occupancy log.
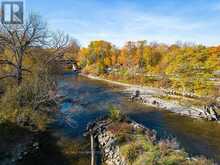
(188, 69)
(31, 59)
(124, 142)
(158, 98)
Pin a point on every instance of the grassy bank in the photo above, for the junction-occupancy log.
(138, 148)
(139, 145)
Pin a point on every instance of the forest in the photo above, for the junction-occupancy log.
(184, 67)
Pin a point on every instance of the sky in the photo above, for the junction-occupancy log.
(118, 21)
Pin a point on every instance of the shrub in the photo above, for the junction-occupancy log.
(132, 153)
(25, 105)
(114, 113)
(24, 117)
(101, 69)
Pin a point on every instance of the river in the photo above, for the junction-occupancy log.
(92, 99)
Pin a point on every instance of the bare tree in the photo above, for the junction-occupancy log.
(58, 43)
(72, 50)
(18, 39)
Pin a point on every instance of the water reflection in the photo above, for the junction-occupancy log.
(92, 99)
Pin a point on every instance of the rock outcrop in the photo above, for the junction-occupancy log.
(110, 149)
(107, 143)
(172, 92)
(207, 112)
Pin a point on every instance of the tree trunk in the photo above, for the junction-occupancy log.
(92, 150)
(19, 67)
(19, 77)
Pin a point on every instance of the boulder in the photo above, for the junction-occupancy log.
(135, 95)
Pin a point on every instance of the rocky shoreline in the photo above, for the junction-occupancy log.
(111, 149)
(147, 95)
(207, 112)
(108, 142)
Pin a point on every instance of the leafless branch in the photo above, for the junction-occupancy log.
(19, 38)
(7, 62)
(58, 45)
(7, 76)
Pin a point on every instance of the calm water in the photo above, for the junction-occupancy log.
(92, 99)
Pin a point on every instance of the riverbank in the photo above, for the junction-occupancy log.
(28, 115)
(124, 141)
(158, 98)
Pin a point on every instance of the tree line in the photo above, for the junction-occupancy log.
(185, 67)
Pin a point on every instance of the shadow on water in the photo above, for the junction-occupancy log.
(54, 150)
(91, 99)
(49, 153)
(12, 135)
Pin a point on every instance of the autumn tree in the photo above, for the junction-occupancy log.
(98, 54)
(186, 67)
(140, 53)
(115, 55)
(128, 53)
